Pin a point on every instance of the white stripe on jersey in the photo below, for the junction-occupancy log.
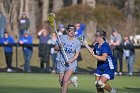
(110, 62)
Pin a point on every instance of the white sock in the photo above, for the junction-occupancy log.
(113, 91)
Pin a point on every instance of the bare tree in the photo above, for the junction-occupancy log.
(21, 7)
(129, 11)
(57, 5)
(2, 9)
(91, 26)
(27, 4)
(14, 16)
(32, 16)
(92, 3)
(129, 8)
(45, 9)
(74, 2)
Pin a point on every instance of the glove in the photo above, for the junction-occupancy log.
(67, 64)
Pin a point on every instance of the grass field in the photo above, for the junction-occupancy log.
(48, 83)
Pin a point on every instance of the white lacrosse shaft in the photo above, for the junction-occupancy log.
(87, 46)
(63, 50)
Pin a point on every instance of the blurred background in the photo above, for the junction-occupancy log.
(124, 15)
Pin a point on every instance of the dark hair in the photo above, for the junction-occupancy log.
(6, 32)
(70, 26)
(101, 33)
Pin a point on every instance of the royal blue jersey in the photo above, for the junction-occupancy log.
(9, 40)
(109, 62)
(80, 32)
(27, 40)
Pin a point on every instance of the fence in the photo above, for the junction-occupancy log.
(85, 64)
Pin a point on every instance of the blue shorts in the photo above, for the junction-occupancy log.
(62, 69)
(107, 72)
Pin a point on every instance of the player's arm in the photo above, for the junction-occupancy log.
(76, 54)
(73, 58)
(88, 47)
(103, 57)
(57, 47)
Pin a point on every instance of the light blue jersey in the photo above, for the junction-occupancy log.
(71, 47)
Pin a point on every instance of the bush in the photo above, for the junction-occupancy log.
(83, 13)
(107, 15)
(74, 14)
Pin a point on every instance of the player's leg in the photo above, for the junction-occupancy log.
(103, 83)
(66, 80)
(98, 88)
(61, 71)
(98, 74)
(73, 80)
(61, 75)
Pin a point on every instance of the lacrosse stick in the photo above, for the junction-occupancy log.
(87, 46)
(52, 20)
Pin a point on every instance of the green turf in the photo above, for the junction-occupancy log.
(48, 83)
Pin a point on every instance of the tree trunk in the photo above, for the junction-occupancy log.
(91, 26)
(21, 8)
(92, 3)
(2, 7)
(74, 2)
(45, 10)
(129, 8)
(32, 16)
(57, 5)
(27, 5)
(129, 11)
(14, 17)
(90, 31)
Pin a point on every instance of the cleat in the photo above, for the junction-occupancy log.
(74, 81)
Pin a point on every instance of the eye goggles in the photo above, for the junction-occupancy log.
(97, 35)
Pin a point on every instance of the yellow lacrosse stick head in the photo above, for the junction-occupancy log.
(51, 19)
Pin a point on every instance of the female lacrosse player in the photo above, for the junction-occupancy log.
(69, 49)
(105, 66)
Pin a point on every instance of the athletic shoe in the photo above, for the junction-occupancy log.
(130, 74)
(9, 70)
(74, 81)
(29, 71)
(120, 73)
(116, 73)
(53, 71)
